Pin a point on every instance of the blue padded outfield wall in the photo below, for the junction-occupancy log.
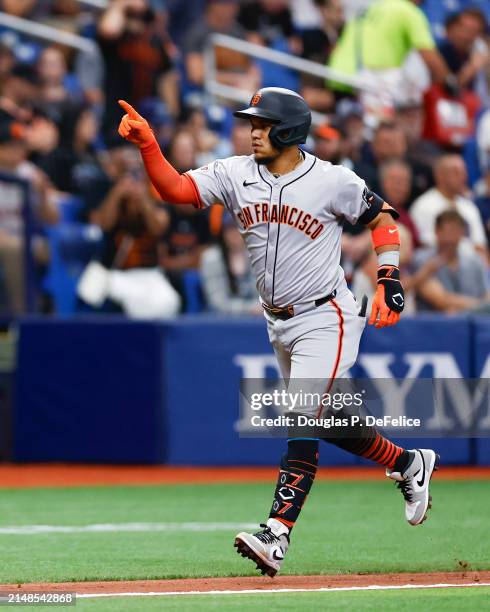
(481, 333)
(116, 391)
(89, 391)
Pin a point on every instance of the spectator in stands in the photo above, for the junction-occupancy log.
(118, 160)
(16, 141)
(305, 14)
(463, 47)
(188, 232)
(350, 119)
(389, 142)
(414, 277)
(483, 140)
(205, 140)
(161, 121)
(28, 9)
(410, 116)
(241, 141)
(59, 95)
(56, 84)
(458, 281)
(182, 16)
(267, 21)
(396, 185)
(74, 166)
(138, 58)
(66, 9)
(319, 42)
(482, 199)
(328, 144)
(376, 45)
(7, 61)
(228, 283)
(448, 194)
(241, 144)
(183, 150)
(19, 100)
(19, 91)
(233, 68)
(317, 45)
(129, 274)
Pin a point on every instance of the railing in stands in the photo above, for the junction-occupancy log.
(99, 4)
(304, 66)
(22, 197)
(46, 32)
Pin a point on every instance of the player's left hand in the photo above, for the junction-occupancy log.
(389, 299)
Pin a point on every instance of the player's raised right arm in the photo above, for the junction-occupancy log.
(172, 186)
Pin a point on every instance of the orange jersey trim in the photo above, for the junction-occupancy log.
(339, 349)
(197, 202)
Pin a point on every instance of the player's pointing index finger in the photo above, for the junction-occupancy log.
(130, 110)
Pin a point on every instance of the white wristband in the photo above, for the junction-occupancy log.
(389, 258)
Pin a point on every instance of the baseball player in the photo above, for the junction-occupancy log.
(289, 207)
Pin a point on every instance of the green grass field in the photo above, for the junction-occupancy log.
(345, 527)
(435, 600)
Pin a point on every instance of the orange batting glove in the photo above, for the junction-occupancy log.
(134, 127)
(389, 298)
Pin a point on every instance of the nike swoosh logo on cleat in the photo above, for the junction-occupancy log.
(245, 184)
(422, 480)
(276, 558)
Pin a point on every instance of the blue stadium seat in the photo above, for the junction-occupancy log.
(193, 292)
(470, 154)
(70, 208)
(72, 246)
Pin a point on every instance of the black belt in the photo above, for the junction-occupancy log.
(288, 311)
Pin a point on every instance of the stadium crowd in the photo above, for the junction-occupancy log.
(417, 130)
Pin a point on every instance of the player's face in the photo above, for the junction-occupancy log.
(262, 147)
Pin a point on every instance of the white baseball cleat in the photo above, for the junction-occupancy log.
(267, 548)
(414, 484)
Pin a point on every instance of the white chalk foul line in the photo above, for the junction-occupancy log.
(373, 587)
(122, 527)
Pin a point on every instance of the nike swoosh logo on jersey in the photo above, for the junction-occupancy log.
(392, 231)
(422, 480)
(246, 184)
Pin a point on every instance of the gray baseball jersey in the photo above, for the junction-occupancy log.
(291, 224)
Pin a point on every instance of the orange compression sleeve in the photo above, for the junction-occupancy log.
(171, 186)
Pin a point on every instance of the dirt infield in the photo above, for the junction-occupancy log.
(258, 583)
(62, 475)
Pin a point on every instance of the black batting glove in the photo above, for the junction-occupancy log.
(389, 299)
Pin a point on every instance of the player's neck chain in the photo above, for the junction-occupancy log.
(301, 158)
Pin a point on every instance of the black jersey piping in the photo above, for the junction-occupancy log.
(268, 222)
(279, 225)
